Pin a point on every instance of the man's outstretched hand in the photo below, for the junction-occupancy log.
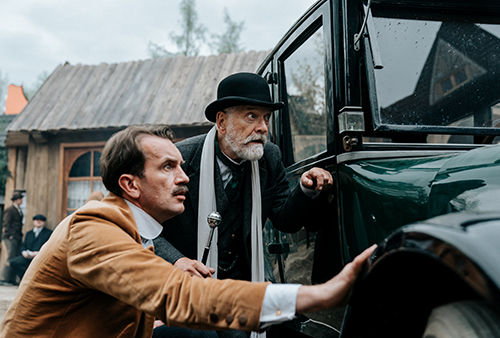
(317, 178)
(334, 293)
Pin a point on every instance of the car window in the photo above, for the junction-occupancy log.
(445, 71)
(304, 70)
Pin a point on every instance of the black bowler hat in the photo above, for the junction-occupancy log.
(240, 89)
(40, 217)
(16, 196)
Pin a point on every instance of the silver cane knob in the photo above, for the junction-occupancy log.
(213, 221)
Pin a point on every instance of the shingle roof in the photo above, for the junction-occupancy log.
(173, 91)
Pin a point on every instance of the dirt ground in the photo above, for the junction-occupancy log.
(7, 294)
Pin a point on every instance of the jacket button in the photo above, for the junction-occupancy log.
(229, 319)
(243, 320)
(214, 318)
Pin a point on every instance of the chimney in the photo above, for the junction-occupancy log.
(15, 100)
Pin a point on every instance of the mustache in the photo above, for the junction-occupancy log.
(180, 189)
(256, 137)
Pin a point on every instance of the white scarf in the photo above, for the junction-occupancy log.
(207, 204)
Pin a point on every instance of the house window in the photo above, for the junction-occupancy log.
(84, 178)
(454, 81)
(81, 175)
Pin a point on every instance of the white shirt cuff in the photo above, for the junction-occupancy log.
(311, 193)
(279, 304)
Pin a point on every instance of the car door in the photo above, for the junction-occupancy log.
(300, 74)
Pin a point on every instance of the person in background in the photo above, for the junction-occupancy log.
(12, 236)
(33, 241)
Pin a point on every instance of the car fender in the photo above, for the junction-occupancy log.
(424, 265)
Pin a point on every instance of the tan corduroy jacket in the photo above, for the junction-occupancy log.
(94, 279)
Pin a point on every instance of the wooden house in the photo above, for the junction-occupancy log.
(56, 141)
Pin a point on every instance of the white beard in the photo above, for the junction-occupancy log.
(241, 146)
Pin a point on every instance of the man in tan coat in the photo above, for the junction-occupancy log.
(98, 276)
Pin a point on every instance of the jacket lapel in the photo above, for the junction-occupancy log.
(193, 169)
(248, 194)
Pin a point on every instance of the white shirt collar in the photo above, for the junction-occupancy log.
(225, 172)
(230, 159)
(148, 227)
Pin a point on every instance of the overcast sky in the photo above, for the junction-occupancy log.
(39, 35)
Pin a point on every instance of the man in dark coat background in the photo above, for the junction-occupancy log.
(12, 236)
(33, 241)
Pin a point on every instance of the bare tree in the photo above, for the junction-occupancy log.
(156, 51)
(193, 35)
(30, 91)
(4, 84)
(229, 42)
(4, 172)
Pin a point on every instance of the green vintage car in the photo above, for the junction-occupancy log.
(400, 101)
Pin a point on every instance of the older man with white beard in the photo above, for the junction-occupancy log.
(234, 170)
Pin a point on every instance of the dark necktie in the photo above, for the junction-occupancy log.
(233, 186)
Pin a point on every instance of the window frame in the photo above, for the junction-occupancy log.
(383, 128)
(68, 154)
(319, 20)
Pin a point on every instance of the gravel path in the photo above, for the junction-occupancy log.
(7, 294)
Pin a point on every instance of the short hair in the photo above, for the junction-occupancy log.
(123, 154)
(229, 110)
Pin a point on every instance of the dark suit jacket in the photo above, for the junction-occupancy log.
(33, 243)
(289, 210)
(12, 223)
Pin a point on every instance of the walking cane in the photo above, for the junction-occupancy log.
(213, 221)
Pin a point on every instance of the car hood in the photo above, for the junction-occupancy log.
(467, 182)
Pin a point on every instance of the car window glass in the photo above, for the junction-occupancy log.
(305, 86)
(445, 73)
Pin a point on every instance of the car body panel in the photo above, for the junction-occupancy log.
(469, 182)
(385, 194)
(407, 141)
